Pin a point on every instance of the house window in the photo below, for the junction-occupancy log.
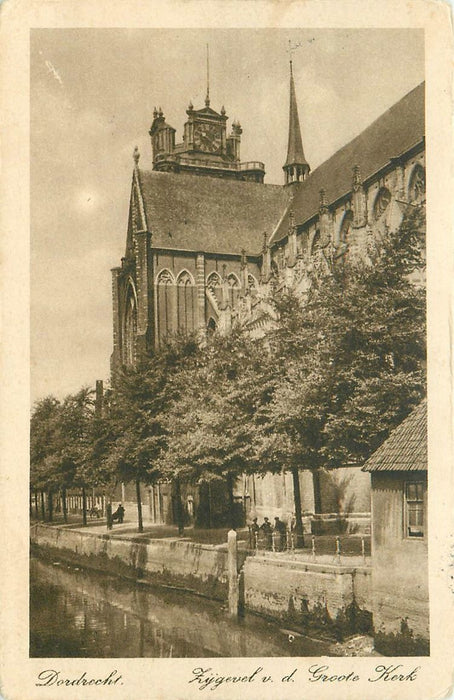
(414, 507)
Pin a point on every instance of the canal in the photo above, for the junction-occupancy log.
(80, 613)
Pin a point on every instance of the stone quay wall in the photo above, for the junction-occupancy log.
(180, 563)
(321, 594)
(302, 594)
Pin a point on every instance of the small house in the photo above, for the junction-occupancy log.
(400, 592)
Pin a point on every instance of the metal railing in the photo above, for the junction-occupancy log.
(222, 165)
(286, 543)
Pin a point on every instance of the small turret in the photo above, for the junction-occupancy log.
(162, 135)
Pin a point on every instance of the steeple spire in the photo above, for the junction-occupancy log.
(296, 167)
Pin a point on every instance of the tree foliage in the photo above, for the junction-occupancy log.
(338, 370)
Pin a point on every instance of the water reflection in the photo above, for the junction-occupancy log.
(86, 614)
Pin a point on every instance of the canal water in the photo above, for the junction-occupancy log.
(80, 613)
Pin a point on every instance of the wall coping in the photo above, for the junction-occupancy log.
(129, 538)
(321, 567)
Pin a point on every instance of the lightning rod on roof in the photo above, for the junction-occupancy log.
(207, 99)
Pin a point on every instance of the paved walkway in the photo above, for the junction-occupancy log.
(351, 546)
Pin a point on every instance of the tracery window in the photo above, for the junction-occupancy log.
(346, 226)
(252, 283)
(186, 302)
(214, 284)
(234, 289)
(130, 328)
(166, 303)
(315, 247)
(417, 187)
(382, 201)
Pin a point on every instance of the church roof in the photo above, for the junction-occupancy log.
(214, 215)
(295, 152)
(392, 134)
(406, 447)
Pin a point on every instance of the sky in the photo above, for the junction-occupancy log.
(92, 95)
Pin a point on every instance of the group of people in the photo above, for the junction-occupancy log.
(266, 533)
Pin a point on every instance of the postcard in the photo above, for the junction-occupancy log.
(226, 358)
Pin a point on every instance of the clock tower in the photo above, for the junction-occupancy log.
(206, 149)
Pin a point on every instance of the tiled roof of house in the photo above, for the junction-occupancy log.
(214, 215)
(406, 447)
(396, 131)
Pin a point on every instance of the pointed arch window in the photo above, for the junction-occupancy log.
(130, 327)
(382, 201)
(214, 284)
(252, 284)
(186, 302)
(417, 186)
(166, 303)
(316, 247)
(344, 234)
(234, 289)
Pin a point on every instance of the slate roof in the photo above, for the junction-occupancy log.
(214, 215)
(396, 131)
(406, 447)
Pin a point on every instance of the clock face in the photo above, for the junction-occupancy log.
(207, 137)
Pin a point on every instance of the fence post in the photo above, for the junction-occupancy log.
(232, 568)
(363, 549)
(338, 549)
(313, 546)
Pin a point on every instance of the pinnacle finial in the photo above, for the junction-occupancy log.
(136, 156)
(161, 113)
(222, 110)
(356, 179)
(155, 113)
(190, 106)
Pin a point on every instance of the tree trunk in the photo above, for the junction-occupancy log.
(36, 505)
(210, 518)
(64, 505)
(31, 504)
(139, 506)
(298, 515)
(84, 506)
(50, 506)
(231, 501)
(109, 515)
(179, 507)
(317, 491)
(43, 509)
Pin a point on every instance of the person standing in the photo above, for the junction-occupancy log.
(280, 534)
(253, 533)
(268, 532)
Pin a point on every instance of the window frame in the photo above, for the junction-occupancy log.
(416, 505)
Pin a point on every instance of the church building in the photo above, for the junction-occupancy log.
(208, 239)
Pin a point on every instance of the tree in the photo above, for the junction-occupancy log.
(138, 416)
(73, 441)
(43, 448)
(347, 361)
(209, 420)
